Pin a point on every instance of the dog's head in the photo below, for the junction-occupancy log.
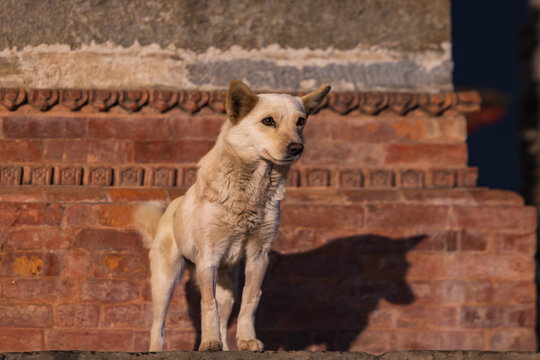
(268, 126)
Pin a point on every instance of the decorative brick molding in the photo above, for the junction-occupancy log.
(192, 101)
(183, 176)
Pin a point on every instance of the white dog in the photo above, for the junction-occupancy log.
(230, 212)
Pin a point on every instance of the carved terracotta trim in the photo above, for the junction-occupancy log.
(183, 176)
(191, 101)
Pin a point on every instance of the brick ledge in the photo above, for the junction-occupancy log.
(192, 101)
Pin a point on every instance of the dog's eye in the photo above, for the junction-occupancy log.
(269, 121)
(301, 121)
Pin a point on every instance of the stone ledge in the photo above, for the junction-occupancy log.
(292, 355)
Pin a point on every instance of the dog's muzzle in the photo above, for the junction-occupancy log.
(294, 149)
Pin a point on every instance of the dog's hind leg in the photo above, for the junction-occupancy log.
(167, 266)
(225, 291)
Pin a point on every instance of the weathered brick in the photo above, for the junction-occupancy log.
(89, 340)
(81, 215)
(437, 339)
(127, 316)
(15, 214)
(14, 151)
(110, 291)
(131, 195)
(20, 315)
(136, 128)
(495, 217)
(434, 196)
(370, 341)
(504, 243)
(474, 241)
(118, 215)
(44, 127)
(372, 195)
(496, 197)
(202, 126)
(436, 292)
(491, 316)
(186, 151)
(500, 292)
(447, 155)
(65, 150)
(321, 216)
(40, 290)
(513, 340)
(76, 263)
(76, 315)
(12, 340)
(39, 238)
(32, 264)
(20, 194)
(109, 151)
(346, 154)
(181, 340)
(406, 216)
(420, 317)
(130, 265)
(178, 318)
(104, 239)
(290, 240)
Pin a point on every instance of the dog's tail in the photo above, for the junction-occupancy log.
(146, 219)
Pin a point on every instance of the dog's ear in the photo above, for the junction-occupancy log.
(240, 101)
(312, 100)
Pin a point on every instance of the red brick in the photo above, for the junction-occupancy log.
(421, 317)
(110, 291)
(505, 243)
(346, 154)
(25, 315)
(445, 155)
(89, 340)
(40, 290)
(322, 216)
(14, 151)
(20, 194)
(470, 266)
(76, 263)
(516, 218)
(314, 195)
(44, 127)
(180, 340)
(130, 195)
(101, 239)
(437, 340)
(130, 265)
(370, 195)
(65, 150)
(178, 318)
(186, 151)
(178, 296)
(12, 340)
(438, 292)
(39, 238)
(513, 340)
(291, 240)
(118, 215)
(372, 342)
(109, 151)
(506, 292)
(81, 215)
(15, 214)
(127, 316)
(206, 126)
(141, 341)
(76, 315)
(474, 241)
(133, 127)
(496, 197)
(492, 316)
(406, 216)
(32, 264)
(437, 196)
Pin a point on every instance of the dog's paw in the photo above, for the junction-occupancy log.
(251, 345)
(211, 345)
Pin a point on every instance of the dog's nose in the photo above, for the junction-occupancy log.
(295, 149)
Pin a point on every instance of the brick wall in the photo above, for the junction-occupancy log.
(385, 243)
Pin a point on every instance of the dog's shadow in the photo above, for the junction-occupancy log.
(322, 298)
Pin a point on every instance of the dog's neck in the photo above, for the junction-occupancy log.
(223, 172)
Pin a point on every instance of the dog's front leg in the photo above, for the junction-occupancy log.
(210, 338)
(256, 264)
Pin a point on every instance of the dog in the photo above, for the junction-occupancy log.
(230, 213)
